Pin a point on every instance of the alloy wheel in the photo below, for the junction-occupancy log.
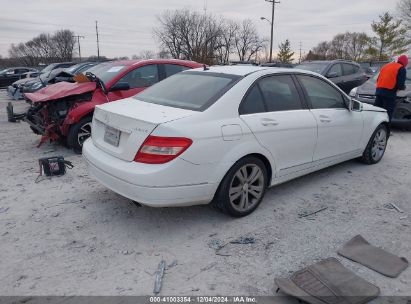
(84, 133)
(247, 187)
(379, 144)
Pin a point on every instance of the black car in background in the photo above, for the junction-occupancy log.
(345, 74)
(10, 75)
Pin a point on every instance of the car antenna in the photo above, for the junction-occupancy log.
(205, 68)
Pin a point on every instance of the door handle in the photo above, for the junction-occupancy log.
(268, 122)
(324, 118)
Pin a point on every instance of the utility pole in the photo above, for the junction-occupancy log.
(78, 42)
(301, 49)
(274, 2)
(98, 46)
(205, 7)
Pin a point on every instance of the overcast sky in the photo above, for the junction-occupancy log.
(125, 26)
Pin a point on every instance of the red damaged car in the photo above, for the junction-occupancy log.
(63, 111)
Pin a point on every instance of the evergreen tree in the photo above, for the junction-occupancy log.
(390, 37)
(285, 54)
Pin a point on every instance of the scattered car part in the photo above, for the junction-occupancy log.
(54, 166)
(159, 277)
(360, 251)
(328, 282)
(11, 117)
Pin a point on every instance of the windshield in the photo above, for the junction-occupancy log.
(317, 67)
(407, 80)
(48, 68)
(203, 90)
(73, 68)
(106, 71)
(3, 71)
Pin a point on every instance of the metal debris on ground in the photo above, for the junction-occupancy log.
(392, 206)
(397, 208)
(173, 264)
(216, 244)
(4, 210)
(159, 277)
(243, 240)
(308, 213)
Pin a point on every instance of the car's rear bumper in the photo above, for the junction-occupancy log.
(134, 181)
(14, 93)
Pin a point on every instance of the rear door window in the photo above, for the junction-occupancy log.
(280, 93)
(349, 69)
(141, 77)
(335, 70)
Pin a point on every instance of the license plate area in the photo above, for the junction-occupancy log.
(112, 136)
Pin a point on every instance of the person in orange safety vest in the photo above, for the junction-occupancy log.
(391, 79)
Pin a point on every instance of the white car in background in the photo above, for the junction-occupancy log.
(225, 134)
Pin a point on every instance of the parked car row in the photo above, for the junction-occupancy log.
(32, 84)
(177, 133)
(63, 111)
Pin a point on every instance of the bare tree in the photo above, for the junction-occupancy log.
(63, 44)
(227, 41)
(146, 54)
(204, 38)
(321, 50)
(45, 48)
(247, 41)
(404, 12)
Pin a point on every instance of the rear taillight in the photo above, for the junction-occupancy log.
(160, 150)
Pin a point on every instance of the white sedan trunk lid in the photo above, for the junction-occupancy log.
(120, 127)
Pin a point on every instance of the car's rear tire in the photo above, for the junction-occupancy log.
(377, 145)
(243, 187)
(78, 133)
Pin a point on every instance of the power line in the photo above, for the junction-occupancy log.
(274, 2)
(78, 42)
(98, 46)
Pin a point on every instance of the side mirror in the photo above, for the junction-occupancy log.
(120, 86)
(355, 105)
(332, 75)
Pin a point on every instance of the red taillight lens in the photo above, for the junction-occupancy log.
(160, 150)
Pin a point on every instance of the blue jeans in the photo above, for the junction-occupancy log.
(387, 103)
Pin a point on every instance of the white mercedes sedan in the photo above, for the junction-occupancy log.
(226, 134)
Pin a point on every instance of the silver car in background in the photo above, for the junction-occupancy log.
(402, 115)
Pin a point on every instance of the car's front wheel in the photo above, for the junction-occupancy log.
(243, 187)
(375, 149)
(78, 134)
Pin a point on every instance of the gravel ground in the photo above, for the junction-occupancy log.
(71, 236)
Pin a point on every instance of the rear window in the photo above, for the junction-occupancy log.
(189, 90)
(316, 67)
